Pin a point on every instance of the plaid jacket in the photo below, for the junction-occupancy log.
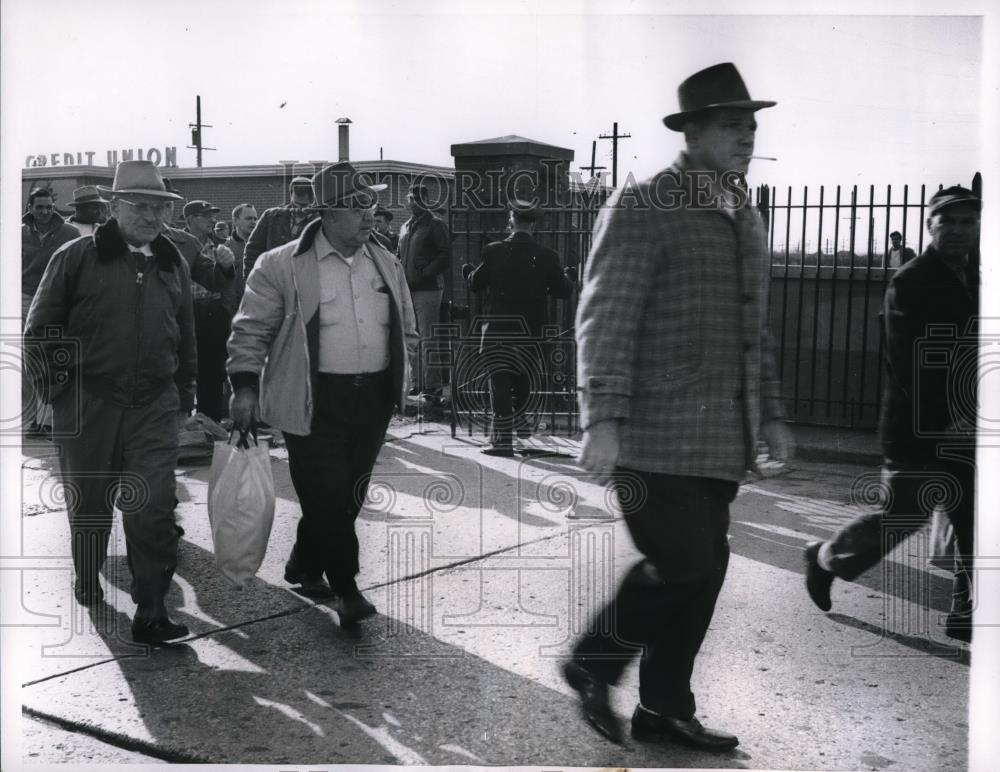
(672, 329)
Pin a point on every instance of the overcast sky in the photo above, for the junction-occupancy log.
(861, 99)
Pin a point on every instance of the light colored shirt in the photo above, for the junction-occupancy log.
(353, 311)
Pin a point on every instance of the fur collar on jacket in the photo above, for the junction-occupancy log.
(110, 245)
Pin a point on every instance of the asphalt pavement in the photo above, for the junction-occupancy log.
(483, 570)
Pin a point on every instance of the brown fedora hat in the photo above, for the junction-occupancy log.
(138, 177)
(340, 182)
(87, 194)
(716, 86)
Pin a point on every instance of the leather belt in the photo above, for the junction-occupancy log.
(357, 380)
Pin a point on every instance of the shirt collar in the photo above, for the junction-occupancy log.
(325, 249)
(145, 249)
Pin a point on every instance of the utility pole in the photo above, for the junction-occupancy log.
(614, 136)
(196, 128)
(593, 160)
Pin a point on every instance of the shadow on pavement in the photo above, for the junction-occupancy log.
(536, 481)
(295, 688)
(923, 645)
(889, 577)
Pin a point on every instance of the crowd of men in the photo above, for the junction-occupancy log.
(312, 315)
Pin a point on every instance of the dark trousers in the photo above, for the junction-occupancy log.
(665, 602)
(126, 456)
(211, 328)
(330, 469)
(509, 392)
(913, 492)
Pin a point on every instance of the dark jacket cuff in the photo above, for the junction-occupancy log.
(241, 380)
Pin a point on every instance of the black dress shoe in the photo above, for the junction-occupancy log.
(593, 701)
(309, 587)
(353, 607)
(959, 626)
(507, 451)
(650, 727)
(88, 593)
(160, 630)
(818, 579)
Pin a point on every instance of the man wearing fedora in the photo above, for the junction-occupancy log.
(213, 310)
(518, 275)
(678, 382)
(125, 297)
(89, 209)
(280, 224)
(927, 423)
(425, 252)
(319, 351)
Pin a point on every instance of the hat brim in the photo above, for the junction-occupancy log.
(140, 192)
(948, 203)
(331, 204)
(88, 201)
(676, 121)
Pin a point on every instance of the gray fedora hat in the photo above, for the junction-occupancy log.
(86, 194)
(138, 177)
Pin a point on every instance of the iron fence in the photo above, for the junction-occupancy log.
(829, 270)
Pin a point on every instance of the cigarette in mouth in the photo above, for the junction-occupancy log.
(763, 158)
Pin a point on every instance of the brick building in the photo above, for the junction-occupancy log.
(489, 172)
(263, 186)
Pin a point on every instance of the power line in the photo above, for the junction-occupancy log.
(614, 136)
(196, 128)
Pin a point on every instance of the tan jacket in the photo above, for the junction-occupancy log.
(274, 344)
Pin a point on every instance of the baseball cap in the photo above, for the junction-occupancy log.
(956, 194)
(192, 208)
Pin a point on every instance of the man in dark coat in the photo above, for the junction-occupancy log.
(425, 252)
(213, 311)
(898, 254)
(518, 276)
(42, 233)
(280, 224)
(383, 229)
(927, 426)
(124, 296)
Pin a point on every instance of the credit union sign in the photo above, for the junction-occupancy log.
(167, 157)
